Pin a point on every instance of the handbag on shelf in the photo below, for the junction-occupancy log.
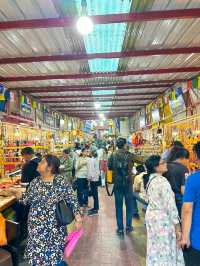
(64, 213)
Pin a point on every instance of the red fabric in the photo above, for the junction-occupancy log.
(103, 165)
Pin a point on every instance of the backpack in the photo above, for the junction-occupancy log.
(122, 169)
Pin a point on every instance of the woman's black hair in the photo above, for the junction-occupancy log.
(140, 168)
(94, 154)
(53, 162)
(196, 149)
(177, 143)
(67, 151)
(120, 143)
(178, 152)
(27, 151)
(151, 163)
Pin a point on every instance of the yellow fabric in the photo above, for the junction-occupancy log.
(2, 97)
(109, 176)
(198, 83)
(3, 238)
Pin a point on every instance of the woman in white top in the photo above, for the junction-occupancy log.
(81, 168)
(93, 177)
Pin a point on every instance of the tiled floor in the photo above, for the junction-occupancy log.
(100, 245)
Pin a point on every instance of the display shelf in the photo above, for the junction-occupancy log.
(22, 147)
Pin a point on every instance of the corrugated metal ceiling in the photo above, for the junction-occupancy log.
(105, 38)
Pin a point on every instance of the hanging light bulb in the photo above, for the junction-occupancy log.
(84, 25)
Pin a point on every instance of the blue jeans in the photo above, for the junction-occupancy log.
(120, 195)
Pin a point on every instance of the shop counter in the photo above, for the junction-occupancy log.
(6, 202)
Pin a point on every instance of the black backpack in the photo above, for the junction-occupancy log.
(122, 169)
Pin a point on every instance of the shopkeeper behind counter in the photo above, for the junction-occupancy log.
(29, 169)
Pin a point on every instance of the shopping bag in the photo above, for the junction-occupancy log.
(109, 176)
(72, 240)
(3, 237)
(109, 182)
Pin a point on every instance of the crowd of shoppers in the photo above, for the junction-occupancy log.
(172, 196)
(168, 192)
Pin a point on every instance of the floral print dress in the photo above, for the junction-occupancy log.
(161, 217)
(46, 240)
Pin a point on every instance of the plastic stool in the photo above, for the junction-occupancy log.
(5, 258)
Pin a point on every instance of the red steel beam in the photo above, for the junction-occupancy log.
(102, 74)
(159, 83)
(78, 106)
(81, 112)
(94, 97)
(99, 100)
(123, 54)
(102, 19)
(90, 89)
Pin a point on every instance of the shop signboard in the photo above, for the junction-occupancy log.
(14, 103)
(177, 103)
(26, 109)
(88, 126)
(48, 117)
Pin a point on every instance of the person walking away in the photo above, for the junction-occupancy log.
(110, 150)
(93, 177)
(162, 219)
(191, 216)
(177, 173)
(120, 162)
(29, 169)
(81, 169)
(46, 238)
(103, 166)
(67, 165)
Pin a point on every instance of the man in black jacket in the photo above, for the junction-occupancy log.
(29, 172)
(29, 169)
(121, 163)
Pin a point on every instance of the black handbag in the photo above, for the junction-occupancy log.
(64, 213)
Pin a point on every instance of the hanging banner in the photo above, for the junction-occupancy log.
(4, 98)
(177, 103)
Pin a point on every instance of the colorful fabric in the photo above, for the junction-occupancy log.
(46, 240)
(4, 98)
(161, 217)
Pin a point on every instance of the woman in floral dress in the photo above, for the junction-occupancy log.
(162, 220)
(46, 239)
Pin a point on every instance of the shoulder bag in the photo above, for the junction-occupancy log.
(64, 213)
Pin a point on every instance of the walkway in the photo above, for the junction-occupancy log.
(100, 246)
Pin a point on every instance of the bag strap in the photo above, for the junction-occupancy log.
(150, 183)
(107, 189)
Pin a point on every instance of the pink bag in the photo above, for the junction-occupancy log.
(72, 240)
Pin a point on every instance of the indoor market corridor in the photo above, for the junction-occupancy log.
(100, 244)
